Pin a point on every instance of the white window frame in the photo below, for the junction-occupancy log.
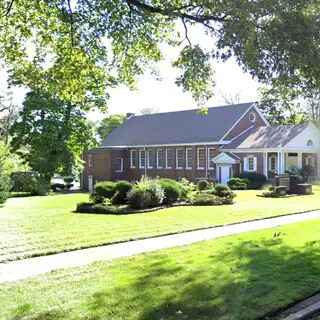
(177, 158)
(210, 163)
(135, 158)
(158, 151)
(254, 163)
(253, 117)
(140, 157)
(270, 163)
(204, 153)
(121, 164)
(167, 151)
(90, 160)
(148, 159)
(188, 167)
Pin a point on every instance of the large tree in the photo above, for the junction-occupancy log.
(109, 124)
(55, 134)
(77, 50)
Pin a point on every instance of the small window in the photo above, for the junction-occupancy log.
(150, 159)
(310, 143)
(168, 159)
(252, 117)
(251, 162)
(90, 160)
(211, 155)
(133, 158)
(292, 154)
(142, 158)
(189, 158)
(179, 158)
(200, 158)
(159, 158)
(119, 164)
(272, 164)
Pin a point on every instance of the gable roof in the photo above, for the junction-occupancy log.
(266, 137)
(180, 127)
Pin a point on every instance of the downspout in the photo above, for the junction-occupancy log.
(206, 162)
(145, 161)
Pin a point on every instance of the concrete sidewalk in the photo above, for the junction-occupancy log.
(26, 268)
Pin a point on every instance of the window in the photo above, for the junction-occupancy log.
(252, 163)
(189, 158)
(168, 159)
(200, 158)
(133, 158)
(211, 155)
(159, 158)
(90, 160)
(179, 158)
(119, 164)
(292, 154)
(310, 143)
(150, 159)
(272, 163)
(142, 158)
(310, 161)
(252, 117)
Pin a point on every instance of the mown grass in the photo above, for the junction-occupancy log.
(247, 276)
(42, 225)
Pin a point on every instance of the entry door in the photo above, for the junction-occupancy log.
(90, 183)
(224, 174)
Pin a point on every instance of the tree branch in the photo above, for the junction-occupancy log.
(8, 9)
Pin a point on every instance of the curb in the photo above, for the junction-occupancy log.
(306, 313)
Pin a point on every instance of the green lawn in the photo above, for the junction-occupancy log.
(42, 225)
(246, 276)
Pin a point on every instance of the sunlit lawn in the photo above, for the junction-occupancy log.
(246, 276)
(42, 225)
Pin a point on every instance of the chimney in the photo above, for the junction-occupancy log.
(130, 115)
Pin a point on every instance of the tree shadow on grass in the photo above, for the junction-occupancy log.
(243, 280)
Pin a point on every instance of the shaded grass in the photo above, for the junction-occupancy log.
(42, 225)
(247, 276)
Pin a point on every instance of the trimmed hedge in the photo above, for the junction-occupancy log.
(222, 190)
(105, 189)
(139, 199)
(203, 185)
(203, 199)
(253, 176)
(84, 207)
(122, 188)
(55, 187)
(238, 184)
(172, 190)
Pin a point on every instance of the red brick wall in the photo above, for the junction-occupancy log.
(244, 124)
(259, 157)
(304, 160)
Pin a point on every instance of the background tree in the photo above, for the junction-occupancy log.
(109, 124)
(231, 98)
(55, 132)
(5, 181)
(150, 110)
(83, 48)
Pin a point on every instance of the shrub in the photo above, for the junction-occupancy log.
(222, 190)
(68, 180)
(253, 176)
(203, 185)
(122, 188)
(238, 184)
(187, 188)
(307, 173)
(30, 182)
(103, 209)
(96, 198)
(172, 190)
(5, 186)
(156, 193)
(55, 187)
(254, 185)
(69, 186)
(84, 207)
(138, 198)
(275, 192)
(203, 199)
(105, 189)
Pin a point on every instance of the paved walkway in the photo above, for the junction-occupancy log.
(26, 268)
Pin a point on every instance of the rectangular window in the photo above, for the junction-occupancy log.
(292, 154)
(142, 158)
(273, 163)
(211, 155)
(168, 159)
(200, 158)
(251, 164)
(189, 158)
(119, 164)
(179, 158)
(150, 159)
(133, 158)
(159, 158)
(90, 160)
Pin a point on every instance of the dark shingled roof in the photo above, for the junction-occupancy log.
(176, 127)
(266, 137)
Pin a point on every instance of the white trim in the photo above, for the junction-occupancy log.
(148, 159)
(198, 149)
(254, 105)
(90, 160)
(253, 120)
(220, 142)
(240, 134)
(159, 167)
(121, 164)
(259, 150)
(187, 164)
(254, 163)
(167, 158)
(135, 158)
(177, 167)
(269, 163)
(226, 159)
(140, 152)
(210, 160)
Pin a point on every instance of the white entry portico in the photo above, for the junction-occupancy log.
(224, 163)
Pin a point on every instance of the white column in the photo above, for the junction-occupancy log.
(278, 162)
(299, 160)
(265, 164)
(282, 162)
(318, 164)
